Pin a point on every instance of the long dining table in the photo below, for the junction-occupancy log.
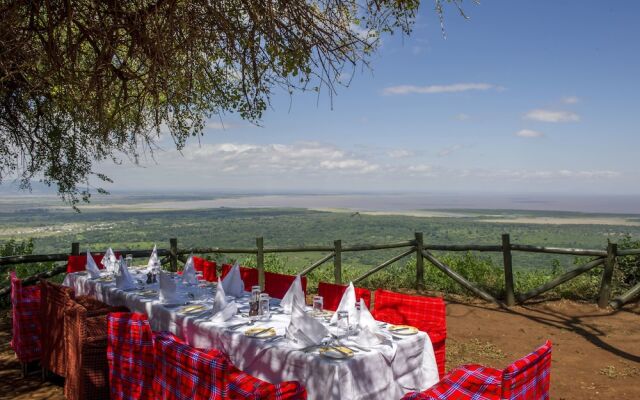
(385, 371)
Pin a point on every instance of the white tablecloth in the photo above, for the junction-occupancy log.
(386, 372)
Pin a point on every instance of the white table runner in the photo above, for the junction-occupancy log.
(386, 372)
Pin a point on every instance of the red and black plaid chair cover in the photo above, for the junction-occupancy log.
(198, 263)
(425, 313)
(530, 376)
(52, 304)
(25, 306)
(277, 284)
(184, 372)
(526, 379)
(130, 356)
(249, 275)
(209, 271)
(79, 263)
(332, 294)
(85, 336)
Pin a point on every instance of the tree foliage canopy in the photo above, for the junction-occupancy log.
(82, 81)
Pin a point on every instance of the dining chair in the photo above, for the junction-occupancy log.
(528, 378)
(428, 314)
(209, 270)
(85, 342)
(130, 356)
(185, 372)
(277, 285)
(249, 275)
(77, 263)
(54, 298)
(25, 310)
(332, 294)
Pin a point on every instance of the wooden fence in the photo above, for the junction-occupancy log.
(607, 258)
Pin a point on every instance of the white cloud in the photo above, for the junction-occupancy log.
(219, 125)
(462, 117)
(529, 133)
(447, 151)
(420, 168)
(570, 100)
(400, 153)
(306, 157)
(552, 116)
(433, 89)
(545, 174)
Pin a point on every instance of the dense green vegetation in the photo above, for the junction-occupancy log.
(53, 231)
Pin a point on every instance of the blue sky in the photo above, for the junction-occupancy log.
(525, 96)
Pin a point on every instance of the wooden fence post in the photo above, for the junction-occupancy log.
(173, 254)
(607, 274)
(509, 294)
(337, 261)
(75, 248)
(419, 260)
(260, 260)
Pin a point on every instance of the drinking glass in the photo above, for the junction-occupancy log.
(255, 293)
(343, 323)
(318, 303)
(265, 313)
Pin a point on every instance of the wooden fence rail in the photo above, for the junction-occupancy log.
(423, 251)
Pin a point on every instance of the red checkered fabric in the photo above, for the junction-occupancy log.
(199, 263)
(277, 284)
(130, 356)
(184, 372)
(25, 306)
(249, 275)
(79, 263)
(529, 377)
(244, 386)
(425, 313)
(467, 382)
(332, 294)
(526, 379)
(210, 271)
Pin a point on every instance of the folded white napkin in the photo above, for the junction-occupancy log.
(153, 259)
(167, 287)
(232, 283)
(295, 295)
(348, 304)
(92, 268)
(109, 260)
(189, 272)
(365, 319)
(223, 310)
(124, 280)
(304, 330)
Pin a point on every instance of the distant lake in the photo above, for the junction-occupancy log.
(381, 202)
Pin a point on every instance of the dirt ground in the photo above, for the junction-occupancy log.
(596, 353)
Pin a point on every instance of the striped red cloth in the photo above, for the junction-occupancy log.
(210, 272)
(79, 263)
(130, 356)
(332, 294)
(526, 379)
(249, 275)
(530, 376)
(184, 372)
(208, 268)
(277, 284)
(25, 306)
(425, 313)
